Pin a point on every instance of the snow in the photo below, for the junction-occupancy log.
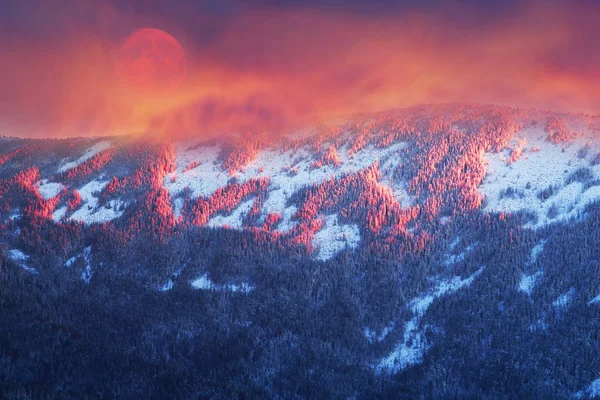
(169, 285)
(286, 224)
(527, 282)
(90, 212)
(48, 190)
(15, 214)
(288, 172)
(372, 335)
(594, 388)
(564, 299)
(413, 347)
(399, 188)
(595, 300)
(535, 171)
(537, 250)
(592, 391)
(454, 243)
(21, 259)
(334, 237)
(86, 275)
(59, 213)
(291, 170)
(17, 255)
(203, 180)
(456, 258)
(234, 220)
(178, 204)
(204, 283)
(89, 153)
(70, 261)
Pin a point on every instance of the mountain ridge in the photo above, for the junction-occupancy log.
(393, 231)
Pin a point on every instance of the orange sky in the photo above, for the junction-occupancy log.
(268, 69)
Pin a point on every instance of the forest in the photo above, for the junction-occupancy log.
(440, 299)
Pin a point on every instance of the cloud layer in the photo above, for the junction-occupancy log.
(272, 65)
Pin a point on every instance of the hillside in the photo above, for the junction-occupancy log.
(432, 252)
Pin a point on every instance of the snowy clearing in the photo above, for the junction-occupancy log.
(592, 391)
(537, 250)
(564, 300)
(595, 300)
(199, 169)
(412, 349)
(204, 283)
(234, 220)
(204, 179)
(171, 282)
(90, 212)
(452, 257)
(373, 337)
(48, 190)
(89, 153)
(527, 282)
(543, 180)
(21, 259)
(334, 237)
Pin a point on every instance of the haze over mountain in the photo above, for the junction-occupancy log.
(432, 251)
(256, 65)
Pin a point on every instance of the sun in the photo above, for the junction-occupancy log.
(151, 60)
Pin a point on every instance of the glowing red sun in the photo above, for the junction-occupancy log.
(151, 59)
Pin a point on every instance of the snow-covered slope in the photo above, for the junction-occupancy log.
(199, 170)
(89, 153)
(552, 181)
(90, 212)
(549, 176)
(414, 345)
(48, 189)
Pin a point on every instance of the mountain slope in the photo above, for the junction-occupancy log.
(435, 251)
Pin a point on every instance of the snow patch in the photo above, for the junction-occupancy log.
(204, 179)
(413, 347)
(70, 262)
(286, 224)
(15, 214)
(234, 220)
(288, 172)
(17, 255)
(456, 258)
(169, 285)
(527, 282)
(21, 259)
(59, 214)
(592, 391)
(204, 283)
(516, 186)
(373, 337)
(178, 204)
(90, 212)
(537, 250)
(89, 153)
(48, 190)
(334, 237)
(86, 275)
(564, 300)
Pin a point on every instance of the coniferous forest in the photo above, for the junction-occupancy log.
(441, 297)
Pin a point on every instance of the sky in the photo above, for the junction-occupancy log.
(268, 65)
